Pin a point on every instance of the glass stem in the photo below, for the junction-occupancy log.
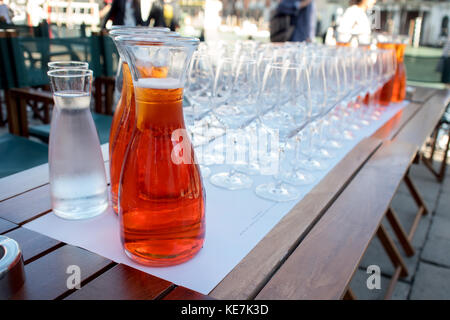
(232, 172)
(277, 177)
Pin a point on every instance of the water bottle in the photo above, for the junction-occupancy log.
(78, 186)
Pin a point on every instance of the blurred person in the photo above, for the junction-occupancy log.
(302, 17)
(164, 13)
(355, 21)
(156, 14)
(125, 13)
(5, 13)
(106, 8)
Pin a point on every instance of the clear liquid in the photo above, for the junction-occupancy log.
(77, 172)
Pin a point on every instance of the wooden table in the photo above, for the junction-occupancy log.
(328, 230)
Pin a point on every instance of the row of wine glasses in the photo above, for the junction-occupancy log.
(314, 98)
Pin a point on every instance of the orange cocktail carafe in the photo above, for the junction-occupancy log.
(121, 105)
(399, 87)
(119, 143)
(161, 194)
(385, 96)
(161, 201)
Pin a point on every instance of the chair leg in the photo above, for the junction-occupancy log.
(441, 174)
(349, 295)
(23, 117)
(395, 257)
(392, 251)
(400, 232)
(13, 113)
(428, 161)
(413, 190)
(433, 141)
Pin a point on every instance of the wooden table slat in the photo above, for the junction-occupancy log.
(23, 181)
(182, 293)
(322, 266)
(26, 206)
(421, 126)
(391, 128)
(32, 243)
(30, 179)
(422, 94)
(244, 281)
(122, 283)
(6, 226)
(46, 278)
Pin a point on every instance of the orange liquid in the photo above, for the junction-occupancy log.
(162, 210)
(366, 99)
(387, 90)
(121, 105)
(122, 138)
(399, 89)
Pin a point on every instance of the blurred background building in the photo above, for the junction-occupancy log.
(426, 22)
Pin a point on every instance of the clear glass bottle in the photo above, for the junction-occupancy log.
(77, 172)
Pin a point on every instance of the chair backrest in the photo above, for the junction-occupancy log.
(110, 55)
(7, 79)
(22, 30)
(31, 55)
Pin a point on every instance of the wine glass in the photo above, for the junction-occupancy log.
(235, 96)
(198, 94)
(284, 87)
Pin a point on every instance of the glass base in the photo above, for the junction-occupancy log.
(298, 178)
(162, 261)
(231, 180)
(277, 192)
(311, 164)
(348, 135)
(80, 215)
(250, 169)
(334, 144)
(324, 153)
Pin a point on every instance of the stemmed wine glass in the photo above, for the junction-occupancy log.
(285, 88)
(235, 96)
(198, 94)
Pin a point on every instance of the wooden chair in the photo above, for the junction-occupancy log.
(18, 153)
(31, 84)
(105, 83)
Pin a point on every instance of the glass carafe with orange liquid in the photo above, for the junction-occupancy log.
(161, 195)
(385, 95)
(124, 115)
(399, 86)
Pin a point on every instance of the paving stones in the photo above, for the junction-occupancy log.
(443, 207)
(431, 282)
(440, 227)
(437, 250)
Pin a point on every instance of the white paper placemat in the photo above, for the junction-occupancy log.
(235, 222)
